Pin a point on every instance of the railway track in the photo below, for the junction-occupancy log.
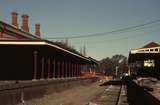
(110, 96)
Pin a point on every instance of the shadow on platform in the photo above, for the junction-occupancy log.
(112, 82)
(140, 95)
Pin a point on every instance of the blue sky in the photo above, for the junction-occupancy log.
(62, 18)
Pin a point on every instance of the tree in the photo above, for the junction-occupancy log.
(109, 65)
(106, 66)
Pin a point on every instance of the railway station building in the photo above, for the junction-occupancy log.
(26, 56)
(145, 61)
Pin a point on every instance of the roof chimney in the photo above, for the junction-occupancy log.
(14, 20)
(25, 27)
(37, 30)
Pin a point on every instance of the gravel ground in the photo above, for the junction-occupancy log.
(108, 97)
(80, 95)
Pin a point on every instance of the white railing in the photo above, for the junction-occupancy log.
(146, 50)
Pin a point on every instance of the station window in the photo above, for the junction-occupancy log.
(146, 50)
(156, 49)
(149, 63)
(151, 49)
(142, 50)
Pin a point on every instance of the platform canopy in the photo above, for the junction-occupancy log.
(39, 43)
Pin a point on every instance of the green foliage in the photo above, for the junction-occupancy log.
(108, 65)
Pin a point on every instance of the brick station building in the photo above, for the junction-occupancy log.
(25, 56)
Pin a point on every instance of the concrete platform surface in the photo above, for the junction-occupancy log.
(80, 95)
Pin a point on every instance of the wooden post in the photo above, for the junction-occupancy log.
(49, 64)
(65, 69)
(58, 69)
(62, 70)
(72, 69)
(81, 69)
(53, 64)
(69, 70)
(35, 64)
(76, 70)
(42, 65)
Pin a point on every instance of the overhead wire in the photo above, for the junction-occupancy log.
(135, 27)
(123, 36)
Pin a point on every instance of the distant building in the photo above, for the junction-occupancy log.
(145, 61)
(13, 32)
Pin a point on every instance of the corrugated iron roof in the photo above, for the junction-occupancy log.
(151, 44)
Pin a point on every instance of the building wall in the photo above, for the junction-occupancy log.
(11, 36)
(9, 32)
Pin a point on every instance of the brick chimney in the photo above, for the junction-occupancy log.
(14, 20)
(37, 30)
(25, 27)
